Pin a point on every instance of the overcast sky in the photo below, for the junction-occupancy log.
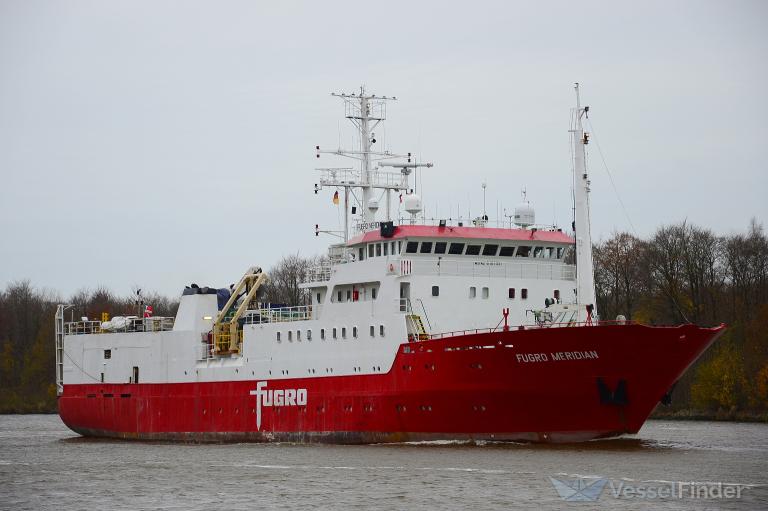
(159, 143)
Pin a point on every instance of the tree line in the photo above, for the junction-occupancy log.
(683, 273)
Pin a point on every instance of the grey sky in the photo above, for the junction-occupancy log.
(160, 143)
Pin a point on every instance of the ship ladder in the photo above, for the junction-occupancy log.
(418, 327)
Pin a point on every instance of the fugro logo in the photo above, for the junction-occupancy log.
(277, 397)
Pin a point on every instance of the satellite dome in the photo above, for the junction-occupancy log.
(525, 216)
(412, 204)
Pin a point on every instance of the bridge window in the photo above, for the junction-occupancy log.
(322, 334)
(549, 252)
(338, 296)
(426, 247)
(399, 246)
(435, 290)
(349, 294)
(523, 251)
(472, 292)
(411, 246)
(456, 248)
(524, 293)
(393, 246)
(386, 248)
(485, 292)
(378, 249)
(440, 247)
(538, 252)
(370, 250)
(559, 252)
(373, 331)
(472, 250)
(507, 251)
(512, 293)
(490, 250)
(360, 254)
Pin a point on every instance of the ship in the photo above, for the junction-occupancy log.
(412, 329)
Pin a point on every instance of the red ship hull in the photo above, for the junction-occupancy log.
(549, 385)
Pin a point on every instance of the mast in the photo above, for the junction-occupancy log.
(585, 277)
(366, 112)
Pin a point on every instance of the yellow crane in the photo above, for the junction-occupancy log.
(227, 333)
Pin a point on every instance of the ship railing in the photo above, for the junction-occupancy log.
(281, 314)
(471, 331)
(491, 269)
(319, 273)
(119, 324)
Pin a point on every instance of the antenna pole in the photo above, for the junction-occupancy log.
(585, 277)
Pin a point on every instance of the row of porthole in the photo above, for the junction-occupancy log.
(372, 333)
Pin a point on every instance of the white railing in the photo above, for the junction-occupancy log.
(319, 273)
(493, 268)
(119, 324)
(281, 314)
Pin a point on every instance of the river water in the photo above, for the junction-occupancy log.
(43, 465)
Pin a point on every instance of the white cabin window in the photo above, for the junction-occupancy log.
(354, 332)
(334, 332)
(435, 290)
(556, 294)
(485, 292)
(298, 335)
(524, 293)
(360, 254)
(277, 336)
(290, 336)
(349, 294)
(318, 297)
(472, 292)
(538, 252)
(511, 293)
(550, 252)
(507, 251)
(343, 332)
(381, 330)
(338, 296)
(370, 250)
(373, 293)
(399, 247)
(440, 247)
(322, 334)
(393, 244)
(373, 331)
